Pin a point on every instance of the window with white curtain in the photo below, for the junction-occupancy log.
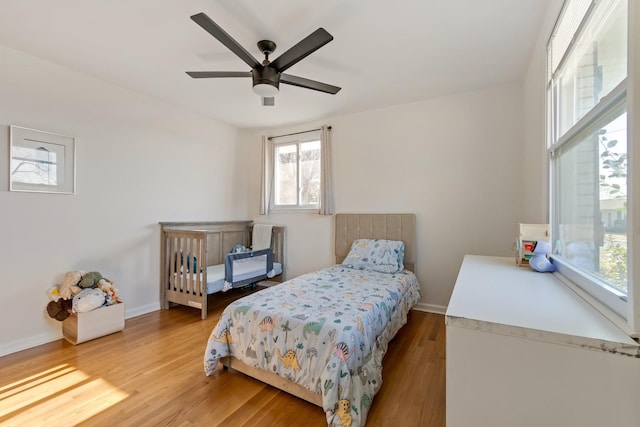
(296, 172)
(588, 131)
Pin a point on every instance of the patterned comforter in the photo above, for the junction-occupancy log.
(327, 331)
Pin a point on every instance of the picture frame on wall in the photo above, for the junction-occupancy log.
(41, 162)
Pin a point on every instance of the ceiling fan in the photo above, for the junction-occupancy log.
(267, 75)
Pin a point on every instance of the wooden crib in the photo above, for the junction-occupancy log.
(184, 246)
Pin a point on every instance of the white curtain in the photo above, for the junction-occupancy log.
(266, 175)
(326, 178)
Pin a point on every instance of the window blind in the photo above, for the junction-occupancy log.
(572, 15)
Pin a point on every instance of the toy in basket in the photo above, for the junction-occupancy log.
(88, 306)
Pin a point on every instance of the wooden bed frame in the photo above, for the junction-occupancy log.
(348, 227)
(205, 240)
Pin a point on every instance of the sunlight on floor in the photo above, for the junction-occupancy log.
(60, 396)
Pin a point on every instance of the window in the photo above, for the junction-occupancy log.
(297, 173)
(587, 98)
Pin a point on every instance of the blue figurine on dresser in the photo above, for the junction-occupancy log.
(540, 262)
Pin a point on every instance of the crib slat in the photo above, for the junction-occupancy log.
(198, 268)
(176, 271)
(172, 263)
(188, 266)
(183, 269)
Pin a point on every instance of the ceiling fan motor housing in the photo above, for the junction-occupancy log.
(266, 75)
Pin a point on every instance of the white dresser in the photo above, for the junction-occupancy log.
(524, 350)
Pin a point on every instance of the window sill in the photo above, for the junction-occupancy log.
(492, 294)
(293, 210)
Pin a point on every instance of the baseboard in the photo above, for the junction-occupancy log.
(36, 340)
(430, 308)
(29, 342)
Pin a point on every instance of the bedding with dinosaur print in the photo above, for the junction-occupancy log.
(326, 331)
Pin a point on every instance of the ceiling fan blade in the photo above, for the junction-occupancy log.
(269, 101)
(304, 48)
(210, 74)
(214, 29)
(309, 84)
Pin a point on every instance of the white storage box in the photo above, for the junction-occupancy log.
(81, 327)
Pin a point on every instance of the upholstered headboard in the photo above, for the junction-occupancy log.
(350, 227)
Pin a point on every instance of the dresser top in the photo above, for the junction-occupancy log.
(494, 295)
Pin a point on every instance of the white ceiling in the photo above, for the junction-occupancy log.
(383, 53)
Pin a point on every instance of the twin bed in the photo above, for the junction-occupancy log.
(322, 335)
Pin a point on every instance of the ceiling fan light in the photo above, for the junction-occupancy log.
(265, 90)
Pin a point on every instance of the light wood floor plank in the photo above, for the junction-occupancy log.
(151, 374)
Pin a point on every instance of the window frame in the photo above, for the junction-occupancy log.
(306, 137)
(624, 311)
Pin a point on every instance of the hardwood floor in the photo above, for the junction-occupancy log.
(151, 374)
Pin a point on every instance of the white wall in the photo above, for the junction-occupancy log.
(139, 162)
(454, 161)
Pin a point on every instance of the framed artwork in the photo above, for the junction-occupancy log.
(41, 162)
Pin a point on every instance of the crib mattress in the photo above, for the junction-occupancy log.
(215, 276)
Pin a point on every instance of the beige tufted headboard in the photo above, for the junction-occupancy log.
(350, 227)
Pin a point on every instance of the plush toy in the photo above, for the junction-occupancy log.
(80, 292)
(87, 300)
(60, 309)
(69, 285)
(54, 293)
(539, 262)
(90, 280)
(239, 249)
(110, 292)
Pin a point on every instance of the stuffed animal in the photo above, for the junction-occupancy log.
(60, 309)
(239, 249)
(539, 262)
(87, 300)
(90, 280)
(110, 292)
(69, 285)
(54, 293)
